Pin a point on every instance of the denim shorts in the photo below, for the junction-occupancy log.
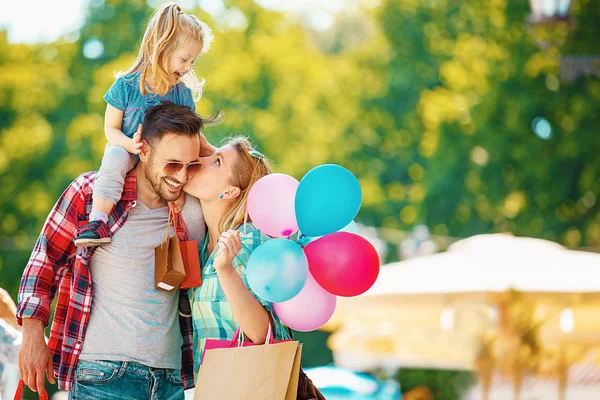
(103, 380)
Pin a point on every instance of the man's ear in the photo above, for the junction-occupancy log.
(145, 152)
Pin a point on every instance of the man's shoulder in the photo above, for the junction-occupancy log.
(193, 218)
(85, 182)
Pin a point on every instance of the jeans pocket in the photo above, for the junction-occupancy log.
(90, 372)
(174, 377)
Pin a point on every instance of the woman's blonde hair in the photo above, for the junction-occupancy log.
(167, 29)
(249, 168)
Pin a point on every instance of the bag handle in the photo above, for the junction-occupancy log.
(169, 222)
(239, 337)
(19, 392)
(178, 222)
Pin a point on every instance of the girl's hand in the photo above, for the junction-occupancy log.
(135, 143)
(229, 246)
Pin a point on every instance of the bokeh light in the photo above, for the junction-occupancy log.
(93, 48)
(542, 128)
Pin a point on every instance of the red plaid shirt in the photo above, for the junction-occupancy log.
(56, 265)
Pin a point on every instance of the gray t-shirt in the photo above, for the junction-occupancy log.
(131, 320)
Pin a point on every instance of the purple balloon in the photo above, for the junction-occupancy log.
(271, 205)
(308, 310)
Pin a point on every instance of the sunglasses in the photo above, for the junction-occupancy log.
(173, 167)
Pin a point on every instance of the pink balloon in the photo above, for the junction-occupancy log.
(343, 263)
(308, 310)
(271, 205)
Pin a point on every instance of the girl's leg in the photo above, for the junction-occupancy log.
(108, 187)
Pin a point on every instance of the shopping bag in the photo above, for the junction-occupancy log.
(169, 271)
(189, 251)
(233, 369)
(238, 341)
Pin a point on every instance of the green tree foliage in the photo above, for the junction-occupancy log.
(466, 82)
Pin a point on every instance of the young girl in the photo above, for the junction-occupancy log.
(162, 72)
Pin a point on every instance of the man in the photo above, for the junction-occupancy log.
(113, 334)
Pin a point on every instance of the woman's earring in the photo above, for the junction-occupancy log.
(221, 196)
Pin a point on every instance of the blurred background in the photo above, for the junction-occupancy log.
(459, 118)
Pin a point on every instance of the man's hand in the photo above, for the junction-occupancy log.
(206, 149)
(34, 357)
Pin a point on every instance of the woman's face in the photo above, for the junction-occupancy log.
(215, 177)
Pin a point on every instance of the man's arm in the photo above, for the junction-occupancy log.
(53, 252)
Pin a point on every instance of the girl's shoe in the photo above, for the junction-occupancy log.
(93, 234)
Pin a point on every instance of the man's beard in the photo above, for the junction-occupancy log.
(156, 181)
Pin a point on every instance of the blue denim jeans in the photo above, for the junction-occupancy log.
(104, 380)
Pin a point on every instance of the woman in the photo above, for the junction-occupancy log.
(225, 301)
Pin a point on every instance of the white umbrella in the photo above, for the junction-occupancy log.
(412, 312)
(493, 264)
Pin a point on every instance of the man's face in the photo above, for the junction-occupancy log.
(170, 153)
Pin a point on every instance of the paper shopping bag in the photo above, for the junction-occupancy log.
(238, 341)
(169, 271)
(292, 390)
(191, 263)
(250, 372)
(189, 250)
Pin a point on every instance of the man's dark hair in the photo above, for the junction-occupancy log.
(171, 118)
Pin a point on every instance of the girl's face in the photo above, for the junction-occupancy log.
(183, 58)
(215, 176)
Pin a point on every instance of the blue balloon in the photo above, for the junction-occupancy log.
(277, 270)
(328, 199)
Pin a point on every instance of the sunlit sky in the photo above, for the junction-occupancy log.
(43, 21)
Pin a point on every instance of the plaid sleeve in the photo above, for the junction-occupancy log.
(54, 251)
(251, 238)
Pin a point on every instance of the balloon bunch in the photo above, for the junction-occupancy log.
(328, 259)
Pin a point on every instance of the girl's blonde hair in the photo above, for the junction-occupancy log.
(167, 29)
(249, 168)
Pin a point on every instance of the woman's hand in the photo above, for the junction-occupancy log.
(229, 246)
